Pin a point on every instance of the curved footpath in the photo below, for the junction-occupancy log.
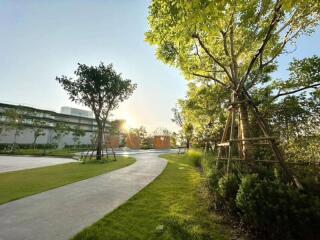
(60, 213)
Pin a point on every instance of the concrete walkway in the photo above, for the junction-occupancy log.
(15, 163)
(60, 213)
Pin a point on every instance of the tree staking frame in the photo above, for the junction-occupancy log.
(106, 141)
(234, 45)
(231, 145)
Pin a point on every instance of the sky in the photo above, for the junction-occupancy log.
(43, 39)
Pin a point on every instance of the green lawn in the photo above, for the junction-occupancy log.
(172, 207)
(15, 185)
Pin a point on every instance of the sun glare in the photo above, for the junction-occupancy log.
(130, 123)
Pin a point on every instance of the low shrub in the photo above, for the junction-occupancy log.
(6, 146)
(195, 157)
(228, 186)
(212, 183)
(274, 210)
(223, 190)
(264, 204)
(78, 146)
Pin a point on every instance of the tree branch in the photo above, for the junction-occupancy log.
(212, 78)
(225, 42)
(275, 20)
(233, 56)
(213, 58)
(288, 37)
(316, 85)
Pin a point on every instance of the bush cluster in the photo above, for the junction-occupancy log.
(195, 157)
(306, 150)
(5, 146)
(268, 207)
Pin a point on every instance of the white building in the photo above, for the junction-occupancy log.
(76, 112)
(70, 117)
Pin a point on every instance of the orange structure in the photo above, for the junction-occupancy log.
(161, 142)
(133, 141)
(112, 141)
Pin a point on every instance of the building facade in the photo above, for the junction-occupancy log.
(17, 124)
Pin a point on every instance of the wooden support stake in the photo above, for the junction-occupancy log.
(224, 144)
(266, 131)
(224, 136)
(232, 133)
(251, 139)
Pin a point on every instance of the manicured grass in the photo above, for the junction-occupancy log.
(15, 185)
(174, 207)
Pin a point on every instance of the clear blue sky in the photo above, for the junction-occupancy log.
(43, 39)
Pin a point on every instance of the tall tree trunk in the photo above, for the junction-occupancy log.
(232, 144)
(247, 149)
(34, 142)
(15, 140)
(99, 141)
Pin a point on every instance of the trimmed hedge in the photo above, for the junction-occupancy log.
(26, 146)
(266, 206)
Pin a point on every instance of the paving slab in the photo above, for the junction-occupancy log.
(60, 213)
(15, 163)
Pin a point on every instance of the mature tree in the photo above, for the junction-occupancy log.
(296, 116)
(173, 139)
(304, 76)
(232, 43)
(203, 107)
(77, 133)
(101, 89)
(181, 119)
(37, 127)
(141, 132)
(61, 129)
(293, 104)
(177, 116)
(14, 121)
(145, 138)
(2, 123)
(116, 127)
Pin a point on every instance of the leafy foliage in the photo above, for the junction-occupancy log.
(228, 47)
(229, 42)
(195, 157)
(60, 130)
(77, 133)
(233, 44)
(101, 89)
(14, 122)
(186, 127)
(268, 208)
(203, 107)
(97, 87)
(38, 129)
(277, 211)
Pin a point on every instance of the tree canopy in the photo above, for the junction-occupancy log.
(234, 44)
(101, 89)
(230, 42)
